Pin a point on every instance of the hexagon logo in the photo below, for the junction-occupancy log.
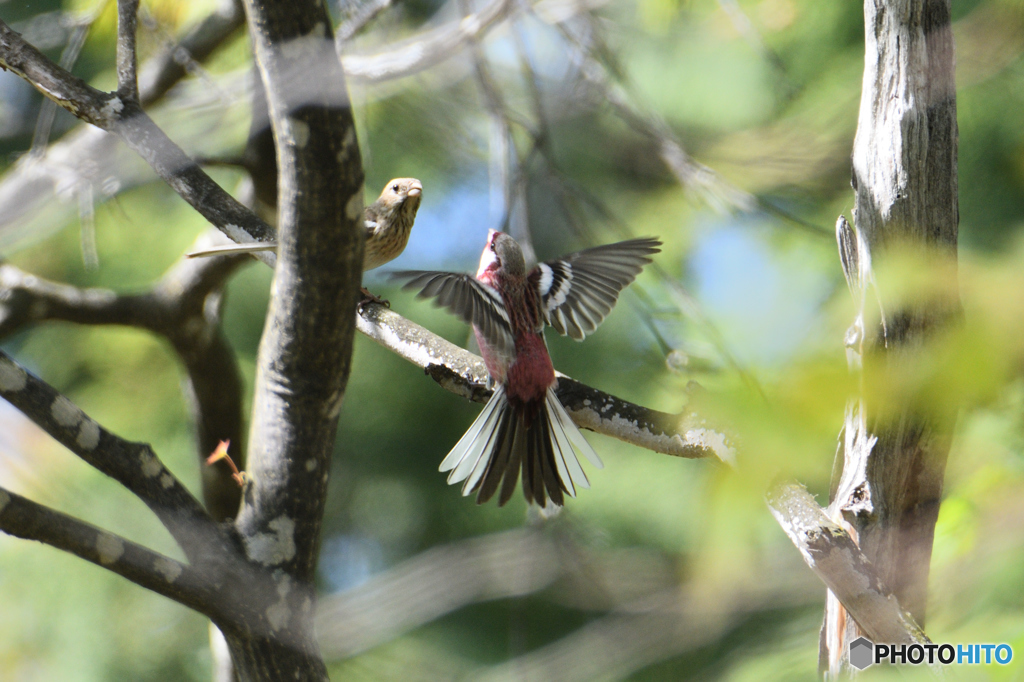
(862, 653)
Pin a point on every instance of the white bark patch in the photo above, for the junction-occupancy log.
(279, 613)
(12, 377)
(298, 132)
(311, 464)
(237, 233)
(65, 412)
(170, 570)
(113, 107)
(88, 434)
(5, 500)
(150, 464)
(714, 440)
(167, 481)
(273, 548)
(354, 207)
(110, 548)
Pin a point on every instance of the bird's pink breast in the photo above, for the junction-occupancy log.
(531, 374)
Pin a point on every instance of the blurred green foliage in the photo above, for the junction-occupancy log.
(771, 105)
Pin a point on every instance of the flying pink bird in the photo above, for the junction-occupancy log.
(524, 426)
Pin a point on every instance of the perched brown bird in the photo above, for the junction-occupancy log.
(388, 222)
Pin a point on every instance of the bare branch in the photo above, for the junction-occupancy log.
(835, 558)
(29, 520)
(426, 49)
(86, 155)
(127, 56)
(641, 633)
(501, 565)
(126, 118)
(133, 465)
(436, 582)
(462, 373)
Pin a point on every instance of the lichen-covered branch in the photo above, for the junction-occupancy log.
(835, 558)
(463, 373)
(184, 308)
(133, 465)
(29, 520)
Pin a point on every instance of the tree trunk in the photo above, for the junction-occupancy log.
(905, 178)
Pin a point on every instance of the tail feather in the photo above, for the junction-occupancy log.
(499, 457)
(508, 486)
(231, 249)
(577, 439)
(542, 442)
(570, 471)
(499, 442)
(470, 440)
(546, 443)
(533, 484)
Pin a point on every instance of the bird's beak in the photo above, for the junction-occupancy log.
(415, 190)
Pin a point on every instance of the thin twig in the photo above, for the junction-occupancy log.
(425, 49)
(359, 18)
(507, 174)
(127, 58)
(164, 70)
(68, 57)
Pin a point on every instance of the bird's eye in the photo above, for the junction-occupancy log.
(394, 188)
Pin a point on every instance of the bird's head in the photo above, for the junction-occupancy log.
(402, 193)
(503, 254)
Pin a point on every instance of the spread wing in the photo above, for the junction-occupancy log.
(463, 295)
(579, 290)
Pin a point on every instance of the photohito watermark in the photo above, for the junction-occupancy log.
(864, 652)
